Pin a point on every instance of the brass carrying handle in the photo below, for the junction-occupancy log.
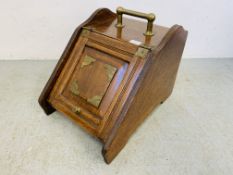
(150, 18)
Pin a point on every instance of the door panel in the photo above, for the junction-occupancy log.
(91, 82)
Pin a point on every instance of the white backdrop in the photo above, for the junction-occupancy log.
(40, 29)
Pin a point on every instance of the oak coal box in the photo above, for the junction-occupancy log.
(113, 73)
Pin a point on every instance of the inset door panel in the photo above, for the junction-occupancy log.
(94, 74)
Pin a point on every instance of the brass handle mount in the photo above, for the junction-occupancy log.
(150, 18)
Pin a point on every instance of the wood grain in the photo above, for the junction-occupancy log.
(154, 88)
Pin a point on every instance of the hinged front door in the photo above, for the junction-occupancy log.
(93, 80)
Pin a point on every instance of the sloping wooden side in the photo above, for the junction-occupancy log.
(98, 15)
(154, 87)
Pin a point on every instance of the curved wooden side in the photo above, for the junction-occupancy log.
(98, 15)
(153, 87)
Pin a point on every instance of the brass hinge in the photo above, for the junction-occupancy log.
(85, 32)
(142, 52)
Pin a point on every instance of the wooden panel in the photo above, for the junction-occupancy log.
(156, 87)
(113, 43)
(91, 77)
(93, 80)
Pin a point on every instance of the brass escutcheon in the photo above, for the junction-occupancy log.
(77, 110)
